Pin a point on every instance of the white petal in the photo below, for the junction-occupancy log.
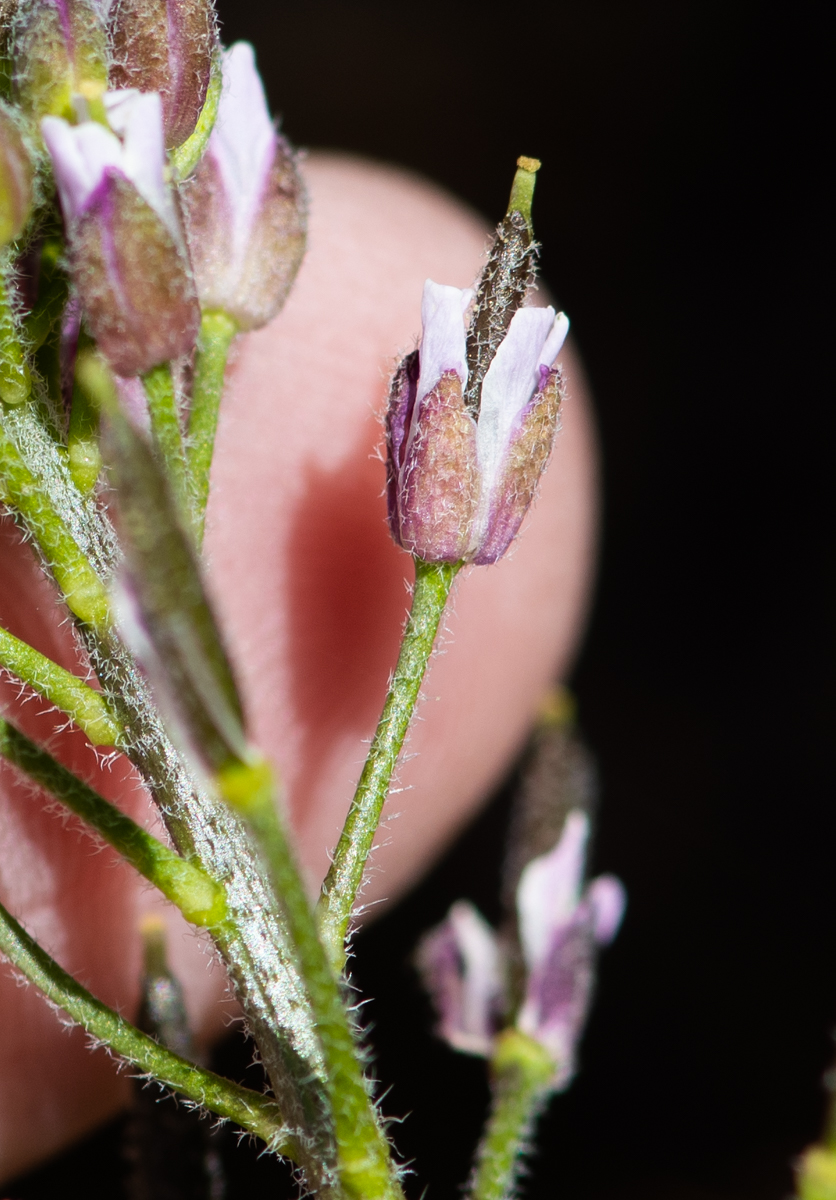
(80, 154)
(555, 340)
(243, 142)
(482, 977)
(115, 103)
(509, 384)
(549, 889)
(443, 337)
(138, 117)
(607, 899)
(461, 965)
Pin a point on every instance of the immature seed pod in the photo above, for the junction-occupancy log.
(165, 46)
(59, 50)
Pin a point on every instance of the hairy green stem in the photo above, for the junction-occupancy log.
(522, 1072)
(339, 891)
(217, 331)
(72, 695)
(253, 940)
(252, 1111)
(15, 379)
(364, 1165)
(165, 427)
(199, 898)
(85, 458)
(83, 590)
(44, 320)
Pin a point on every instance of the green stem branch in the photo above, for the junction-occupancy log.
(199, 898)
(15, 380)
(72, 695)
(252, 1111)
(217, 332)
(522, 1073)
(165, 428)
(363, 1161)
(83, 590)
(339, 891)
(84, 455)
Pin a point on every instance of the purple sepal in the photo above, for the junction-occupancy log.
(462, 970)
(433, 476)
(518, 419)
(438, 487)
(398, 417)
(165, 46)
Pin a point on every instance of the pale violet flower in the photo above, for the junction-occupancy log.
(561, 926)
(245, 203)
(463, 971)
(127, 250)
(459, 484)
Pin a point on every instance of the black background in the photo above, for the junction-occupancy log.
(681, 210)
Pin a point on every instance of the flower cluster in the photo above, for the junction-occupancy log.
(109, 98)
(561, 925)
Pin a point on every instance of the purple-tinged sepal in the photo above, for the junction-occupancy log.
(165, 46)
(245, 204)
(128, 255)
(59, 50)
(518, 419)
(433, 476)
(463, 971)
(561, 927)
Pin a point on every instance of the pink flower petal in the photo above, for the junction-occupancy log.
(607, 899)
(461, 966)
(549, 889)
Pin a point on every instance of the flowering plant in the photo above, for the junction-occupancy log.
(150, 213)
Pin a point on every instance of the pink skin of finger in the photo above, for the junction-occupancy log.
(312, 595)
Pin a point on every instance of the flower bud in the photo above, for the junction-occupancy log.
(127, 252)
(15, 180)
(460, 484)
(244, 204)
(165, 46)
(60, 53)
